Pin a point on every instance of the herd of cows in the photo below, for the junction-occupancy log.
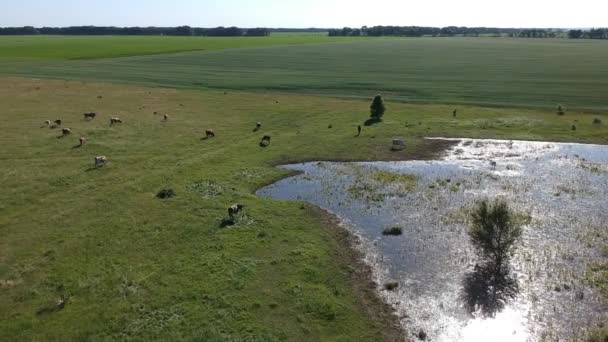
(101, 161)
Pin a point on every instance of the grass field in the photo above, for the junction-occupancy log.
(135, 267)
(19, 48)
(482, 71)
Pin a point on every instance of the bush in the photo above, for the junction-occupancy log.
(391, 286)
(377, 108)
(597, 121)
(560, 110)
(392, 231)
(165, 193)
(494, 230)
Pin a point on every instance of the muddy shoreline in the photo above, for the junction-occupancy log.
(363, 281)
(554, 184)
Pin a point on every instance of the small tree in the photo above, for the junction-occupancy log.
(560, 110)
(377, 108)
(494, 231)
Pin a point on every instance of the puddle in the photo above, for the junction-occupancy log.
(561, 188)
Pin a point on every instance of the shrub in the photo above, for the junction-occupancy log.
(165, 193)
(560, 110)
(392, 231)
(377, 108)
(597, 121)
(391, 286)
(574, 127)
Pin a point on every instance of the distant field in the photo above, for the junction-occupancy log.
(483, 71)
(15, 48)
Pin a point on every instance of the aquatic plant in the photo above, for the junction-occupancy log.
(392, 231)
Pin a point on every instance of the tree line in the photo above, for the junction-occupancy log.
(599, 33)
(137, 31)
(419, 31)
(450, 31)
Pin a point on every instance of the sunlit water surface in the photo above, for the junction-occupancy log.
(562, 187)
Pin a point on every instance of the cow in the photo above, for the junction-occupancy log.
(47, 123)
(115, 120)
(89, 115)
(66, 131)
(209, 134)
(234, 210)
(100, 161)
(258, 125)
(58, 122)
(265, 141)
(81, 141)
(165, 117)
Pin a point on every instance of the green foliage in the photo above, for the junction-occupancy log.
(392, 231)
(494, 230)
(377, 108)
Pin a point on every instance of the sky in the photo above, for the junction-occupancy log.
(305, 13)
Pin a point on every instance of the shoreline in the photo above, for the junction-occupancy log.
(349, 254)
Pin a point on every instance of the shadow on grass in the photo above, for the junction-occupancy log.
(488, 288)
(227, 222)
(372, 121)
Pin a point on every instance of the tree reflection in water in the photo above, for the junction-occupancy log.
(488, 288)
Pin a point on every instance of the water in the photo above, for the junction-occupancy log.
(561, 192)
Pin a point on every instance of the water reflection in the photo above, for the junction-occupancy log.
(563, 188)
(487, 288)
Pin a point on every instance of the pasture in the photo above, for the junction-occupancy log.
(129, 265)
(483, 71)
(20, 48)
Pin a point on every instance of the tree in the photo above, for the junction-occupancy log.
(494, 230)
(377, 108)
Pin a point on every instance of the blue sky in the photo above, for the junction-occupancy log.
(309, 13)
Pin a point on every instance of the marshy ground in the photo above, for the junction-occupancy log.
(559, 191)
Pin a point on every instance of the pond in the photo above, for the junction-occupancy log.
(560, 192)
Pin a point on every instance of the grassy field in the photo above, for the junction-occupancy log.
(19, 48)
(133, 266)
(482, 71)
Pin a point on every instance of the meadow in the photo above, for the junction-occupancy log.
(483, 71)
(20, 48)
(132, 266)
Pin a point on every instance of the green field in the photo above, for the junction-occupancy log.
(135, 267)
(19, 48)
(483, 71)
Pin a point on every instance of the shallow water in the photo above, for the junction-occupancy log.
(562, 191)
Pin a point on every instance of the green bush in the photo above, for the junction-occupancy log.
(392, 231)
